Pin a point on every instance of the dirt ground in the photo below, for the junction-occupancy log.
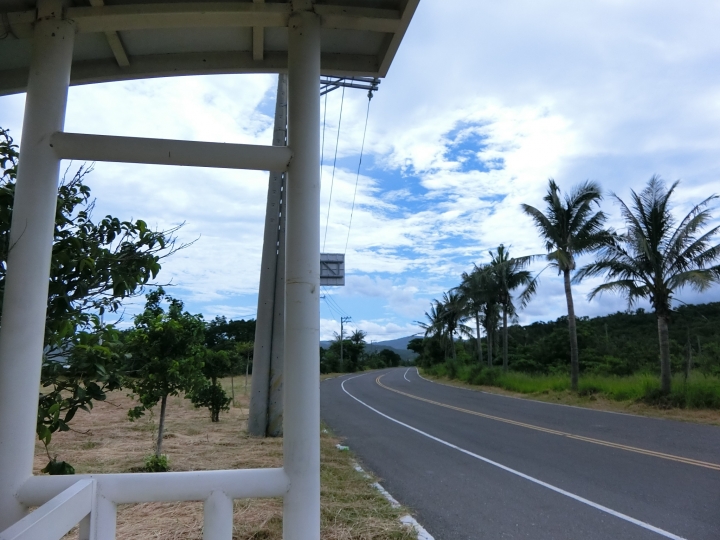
(105, 441)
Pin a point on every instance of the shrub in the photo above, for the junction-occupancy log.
(155, 463)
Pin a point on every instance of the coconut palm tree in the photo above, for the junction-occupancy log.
(657, 255)
(508, 274)
(571, 226)
(435, 325)
(445, 319)
(454, 315)
(474, 298)
(358, 337)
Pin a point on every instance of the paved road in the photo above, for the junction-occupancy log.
(477, 465)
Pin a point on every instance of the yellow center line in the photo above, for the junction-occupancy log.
(661, 455)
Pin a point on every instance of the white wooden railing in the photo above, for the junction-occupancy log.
(58, 515)
(91, 500)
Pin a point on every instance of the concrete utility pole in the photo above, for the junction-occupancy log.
(343, 320)
(265, 416)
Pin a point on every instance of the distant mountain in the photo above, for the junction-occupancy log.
(398, 345)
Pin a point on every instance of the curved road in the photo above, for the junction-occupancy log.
(478, 465)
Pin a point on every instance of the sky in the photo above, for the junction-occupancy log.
(485, 101)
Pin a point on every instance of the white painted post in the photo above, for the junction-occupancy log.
(218, 517)
(301, 443)
(103, 521)
(26, 282)
(84, 532)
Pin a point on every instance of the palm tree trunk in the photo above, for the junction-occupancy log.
(477, 333)
(490, 346)
(452, 345)
(505, 339)
(665, 381)
(572, 327)
(161, 425)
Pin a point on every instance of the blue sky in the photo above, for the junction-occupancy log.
(485, 101)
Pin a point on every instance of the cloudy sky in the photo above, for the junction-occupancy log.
(484, 102)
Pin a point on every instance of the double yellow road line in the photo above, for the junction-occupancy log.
(625, 447)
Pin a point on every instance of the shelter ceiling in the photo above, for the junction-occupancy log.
(134, 39)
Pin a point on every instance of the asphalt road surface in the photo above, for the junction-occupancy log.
(478, 465)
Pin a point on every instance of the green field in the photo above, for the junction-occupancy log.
(697, 392)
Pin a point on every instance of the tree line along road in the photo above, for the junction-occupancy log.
(478, 465)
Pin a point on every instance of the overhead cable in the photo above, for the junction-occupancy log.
(332, 180)
(357, 176)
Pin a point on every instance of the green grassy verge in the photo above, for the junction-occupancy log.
(697, 392)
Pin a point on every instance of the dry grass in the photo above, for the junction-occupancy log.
(699, 416)
(105, 442)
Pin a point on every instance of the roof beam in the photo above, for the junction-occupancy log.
(113, 39)
(118, 18)
(352, 18)
(85, 147)
(13, 81)
(392, 42)
(178, 15)
(258, 39)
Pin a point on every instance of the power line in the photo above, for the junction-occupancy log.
(322, 147)
(357, 176)
(332, 181)
(331, 301)
(329, 306)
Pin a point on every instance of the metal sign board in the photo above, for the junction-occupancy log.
(332, 269)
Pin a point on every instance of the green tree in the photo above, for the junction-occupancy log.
(390, 358)
(435, 324)
(478, 290)
(656, 256)
(571, 226)
(164, 348)
(508, 274)
(216, 364)
(358, 337)
(95, 266)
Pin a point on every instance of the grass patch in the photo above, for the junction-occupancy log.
(104, 441)
(697, 392)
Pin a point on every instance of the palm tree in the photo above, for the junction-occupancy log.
(435, 325)
(446, 317)
(657, 256)
(474, 299)
(508, 274)
(571, 226)
(454, 315)
(358, 337)
(491, 316)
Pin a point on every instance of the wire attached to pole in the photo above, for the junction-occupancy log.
(322, 146)
(332, 181)
(357, 176)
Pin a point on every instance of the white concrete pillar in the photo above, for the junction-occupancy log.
(264, 325)
(277, 355)
(31, 237)
(301, 442)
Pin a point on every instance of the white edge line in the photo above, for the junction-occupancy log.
(406, 372)
(407, 519)
(537, 400)
(583, 500)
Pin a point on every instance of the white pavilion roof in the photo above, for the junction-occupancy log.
(134, 39)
